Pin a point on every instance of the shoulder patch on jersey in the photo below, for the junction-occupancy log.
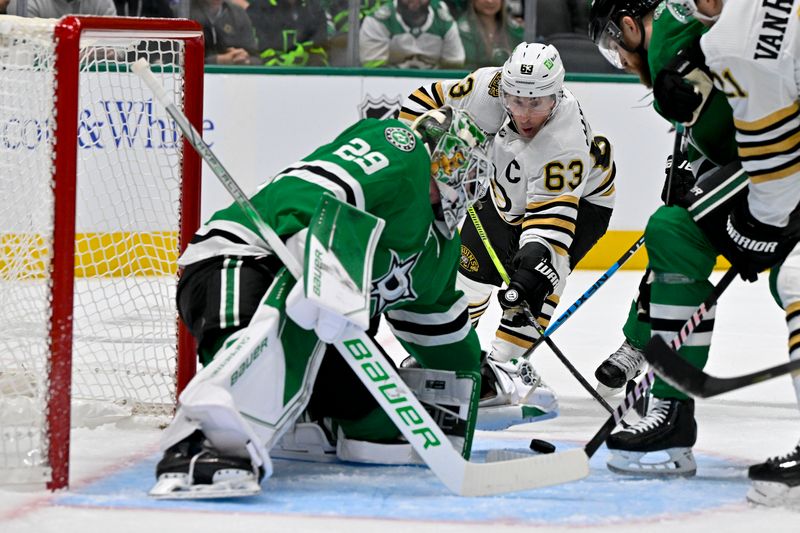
(401, 138)
(494, 85)
(468, 260)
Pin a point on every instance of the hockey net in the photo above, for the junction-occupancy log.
(98, 193)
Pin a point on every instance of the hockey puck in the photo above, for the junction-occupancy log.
(541, 446)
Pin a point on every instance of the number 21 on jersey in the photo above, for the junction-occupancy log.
(360, 153)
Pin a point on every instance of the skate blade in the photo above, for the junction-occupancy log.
(679, 463)
(503, 417)
(774, 494)
(177, 488)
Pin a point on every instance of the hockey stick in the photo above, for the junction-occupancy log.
(647, 381)
(370, 364)
(529, 316)
(677, 148)
(691, 380)
(586, 295)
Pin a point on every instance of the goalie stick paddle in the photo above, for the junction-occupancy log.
(647, 381)
(370, 364)
(691, 380)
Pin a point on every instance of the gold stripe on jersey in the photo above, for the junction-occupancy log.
(782, 145)
(438, 93)
(792, 309)
(551, 223)
(553, 299)
(610, 191)
(608, 181)
(407, 114)
(423, 98)
(565, 200)
(794, 340)
(509, 336)
(558, 247)
(776, 173)
(770, 121)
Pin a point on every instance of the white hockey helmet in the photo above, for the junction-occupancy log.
(533, 70)
(683, 10)
(460, 165)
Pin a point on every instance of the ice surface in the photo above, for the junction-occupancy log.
(112, 464)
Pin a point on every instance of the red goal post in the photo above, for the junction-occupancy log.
(99, 194)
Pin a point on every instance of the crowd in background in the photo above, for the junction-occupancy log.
(409, 34)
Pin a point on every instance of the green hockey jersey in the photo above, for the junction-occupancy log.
(379, 166)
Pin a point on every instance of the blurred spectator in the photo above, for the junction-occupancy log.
(144, 8)
(228, 32)
(3, 5)
(488, 33)
(53, 9)
(411, 34)
(290, 32)
(555, 16)
(338, 12)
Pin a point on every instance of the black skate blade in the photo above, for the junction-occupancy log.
(675, 369)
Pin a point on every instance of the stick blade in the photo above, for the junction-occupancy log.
(675, 369)
(533, 472)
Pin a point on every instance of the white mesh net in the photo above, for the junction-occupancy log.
(127, 219)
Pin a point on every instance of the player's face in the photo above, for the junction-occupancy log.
(529, 114)
(633, 62)
(709, 11)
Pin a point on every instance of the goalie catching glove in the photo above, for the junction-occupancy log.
(533, 280)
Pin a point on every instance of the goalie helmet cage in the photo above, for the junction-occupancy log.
(99, 193)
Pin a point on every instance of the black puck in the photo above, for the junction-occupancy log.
(541, 446)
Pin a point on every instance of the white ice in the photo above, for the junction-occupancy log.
(747, 425)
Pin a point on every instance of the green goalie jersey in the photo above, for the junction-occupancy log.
(381, 167)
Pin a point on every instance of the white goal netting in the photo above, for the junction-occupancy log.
(127, 205)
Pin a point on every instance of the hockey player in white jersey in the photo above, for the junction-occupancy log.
(752, 52)
(549, 202)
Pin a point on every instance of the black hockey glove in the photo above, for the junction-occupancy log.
(752, 246)
(682, 87)
(677, 186)
(533, 280)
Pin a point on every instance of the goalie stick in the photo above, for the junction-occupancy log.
(691, 380)
(531, 319)
(370, 364)
(647, 381)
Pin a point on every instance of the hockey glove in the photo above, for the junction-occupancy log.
(533, 280)
(752, 246)
(329, 326)
(682, 87)
(677, 184)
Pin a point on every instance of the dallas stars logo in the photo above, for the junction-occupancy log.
(396, 285)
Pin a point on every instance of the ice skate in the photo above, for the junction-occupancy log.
(191, 469)
(776, 482)
(669, 428)
(618, 369)
(513, 393)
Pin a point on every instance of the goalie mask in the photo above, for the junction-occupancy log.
(460, 166)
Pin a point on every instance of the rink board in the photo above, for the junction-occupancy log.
(413, 493)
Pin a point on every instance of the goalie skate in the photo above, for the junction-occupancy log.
(776, 482)
(669, 429)
(513, 393)
(192, 470)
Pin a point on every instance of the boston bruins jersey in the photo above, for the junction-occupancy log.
(478, 93)
(753, 53)
(539, 182)
(381, 167)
